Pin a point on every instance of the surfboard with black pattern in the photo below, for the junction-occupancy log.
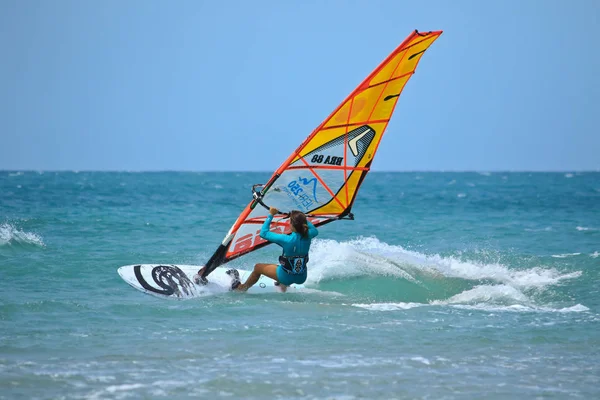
(177, 281)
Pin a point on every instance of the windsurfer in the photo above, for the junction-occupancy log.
(292, 264)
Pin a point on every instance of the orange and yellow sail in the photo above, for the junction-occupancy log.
(322, 176)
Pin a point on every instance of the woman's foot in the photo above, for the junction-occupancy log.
(282, 288)
(199, 279)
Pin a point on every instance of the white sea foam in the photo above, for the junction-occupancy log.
(331, 259)
(565, 255)
(481, 305)
(321, 292)
(520, 308)
(575, 308)
(595, 254)
(583, 228)
(421, 360)
(368, 256)
(125, 387)
(503, 288)
(9, 235)
(486, 294)
(568, 175)
(546, 229)
(388, 306)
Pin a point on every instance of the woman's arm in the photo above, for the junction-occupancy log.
(266, 234)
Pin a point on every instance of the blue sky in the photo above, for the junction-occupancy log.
(236, 85)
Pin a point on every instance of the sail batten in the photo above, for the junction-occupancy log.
(323, 175)
(356, 124)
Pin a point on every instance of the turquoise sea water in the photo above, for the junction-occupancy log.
(447, 285)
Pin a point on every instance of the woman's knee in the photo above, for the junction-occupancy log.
(259, 268)
(269, 270)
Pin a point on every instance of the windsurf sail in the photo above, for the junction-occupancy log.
(322, 176)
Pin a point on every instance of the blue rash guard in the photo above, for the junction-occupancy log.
(294, 245)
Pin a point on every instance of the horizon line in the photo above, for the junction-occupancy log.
(266, 171)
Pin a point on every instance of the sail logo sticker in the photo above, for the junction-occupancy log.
(331, 160)
(249, 241)
(307, 182)
(303, 192)
(353, 142)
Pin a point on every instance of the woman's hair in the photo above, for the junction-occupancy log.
(298, 221)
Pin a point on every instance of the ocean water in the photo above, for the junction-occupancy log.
(446, 286)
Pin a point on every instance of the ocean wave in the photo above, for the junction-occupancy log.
(565, 255)
(331, 259)
(370, 257)
(475, 307)
(546, 229)
(384, 277)
(489, 294)
(388, 306)
(523, 308)
(583, 228)
(12, 236)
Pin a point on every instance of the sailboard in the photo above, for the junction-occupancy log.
(176, 281)
(322, 176)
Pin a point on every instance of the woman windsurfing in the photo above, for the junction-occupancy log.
(292, 263)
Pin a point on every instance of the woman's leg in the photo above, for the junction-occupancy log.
(269, 270)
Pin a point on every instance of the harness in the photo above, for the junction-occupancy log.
(294, 265)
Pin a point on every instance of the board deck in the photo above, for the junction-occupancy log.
(177, 281)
